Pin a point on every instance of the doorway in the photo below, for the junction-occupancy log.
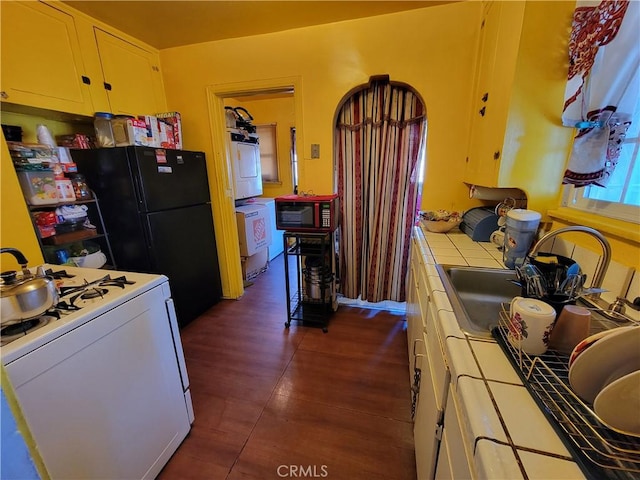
(380, 139)
(257, 95)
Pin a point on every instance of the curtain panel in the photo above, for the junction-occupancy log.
(380, 136)
(603, 86)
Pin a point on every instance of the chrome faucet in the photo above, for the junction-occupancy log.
(598, 276)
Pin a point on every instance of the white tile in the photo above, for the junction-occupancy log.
(481, 418)
(444, 250)
(437, 239)
(494, 460)
(541, 466)
(460, 359)
(450, 259)
(448, 325)
(474, 253)
(616, 281)
(588, 261)
(441, 300)
(632, 293)
(494, 363)
(561, 247)
(518, 409)
(484, 262)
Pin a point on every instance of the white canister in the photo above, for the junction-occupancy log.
(530, 325)
(520, 231)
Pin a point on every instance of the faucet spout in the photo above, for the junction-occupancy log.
(603, 265)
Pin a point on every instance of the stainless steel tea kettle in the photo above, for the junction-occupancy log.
(26, 295)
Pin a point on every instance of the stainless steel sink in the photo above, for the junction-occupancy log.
(476, 295)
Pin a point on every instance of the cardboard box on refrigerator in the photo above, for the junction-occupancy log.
(253, 228)
(255, 264)
(173, 126)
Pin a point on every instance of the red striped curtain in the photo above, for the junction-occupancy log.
(380, 138)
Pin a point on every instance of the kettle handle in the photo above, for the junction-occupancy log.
(20, 258)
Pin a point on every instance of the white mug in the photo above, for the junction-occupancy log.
(530, 326)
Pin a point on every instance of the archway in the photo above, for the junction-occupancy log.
(380, 138)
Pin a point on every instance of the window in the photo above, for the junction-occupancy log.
(621, 198)
(268, 152)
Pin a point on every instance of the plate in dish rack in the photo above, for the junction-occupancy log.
(601, 359)
(618, 404)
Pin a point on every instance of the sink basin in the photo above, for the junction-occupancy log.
(477, 294)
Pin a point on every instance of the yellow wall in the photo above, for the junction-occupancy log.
(430, 49)
(536, 143)
(16, 229)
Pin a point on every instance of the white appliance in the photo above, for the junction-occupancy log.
(245, 159)
(104, 387)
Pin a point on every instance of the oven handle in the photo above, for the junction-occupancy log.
(177, 344)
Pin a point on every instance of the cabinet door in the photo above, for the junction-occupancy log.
(453, 460)
(497, 56)
(426, 426)
(414, 320)
(41, 61)
(131, 76)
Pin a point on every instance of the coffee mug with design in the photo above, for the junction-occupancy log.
(530, 326)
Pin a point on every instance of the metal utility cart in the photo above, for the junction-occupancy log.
(310, 278)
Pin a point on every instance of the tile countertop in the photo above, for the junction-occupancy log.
(504, 428)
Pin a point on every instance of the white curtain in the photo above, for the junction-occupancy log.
(380, 136)
(603, 86)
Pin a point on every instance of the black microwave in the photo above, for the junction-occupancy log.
(307, 213)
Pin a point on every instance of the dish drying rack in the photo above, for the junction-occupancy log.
(600, 452)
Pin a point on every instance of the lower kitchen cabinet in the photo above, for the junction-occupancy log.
(427, 425)
(452, 458)
(430, 373)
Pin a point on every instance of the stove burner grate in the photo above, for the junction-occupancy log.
(19, 328)
(94, 292)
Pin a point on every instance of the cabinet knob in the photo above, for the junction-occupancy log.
(485, 97)
(107, 86)
(482, 111)
(86, 80)
(496, 155)
(4, 95)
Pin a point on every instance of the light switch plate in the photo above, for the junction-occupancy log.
(315, 150)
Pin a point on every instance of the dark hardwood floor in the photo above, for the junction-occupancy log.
(275, 403)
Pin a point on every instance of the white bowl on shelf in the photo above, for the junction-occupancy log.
(92, 260)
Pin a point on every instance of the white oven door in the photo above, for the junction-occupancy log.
(105, 400)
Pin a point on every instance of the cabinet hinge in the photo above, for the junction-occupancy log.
(86, 80)
(439, 430)
(4, 95)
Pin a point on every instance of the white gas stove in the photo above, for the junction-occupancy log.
(101, 372)
(84, 293)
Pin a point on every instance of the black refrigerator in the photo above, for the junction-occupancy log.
(157, 212)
